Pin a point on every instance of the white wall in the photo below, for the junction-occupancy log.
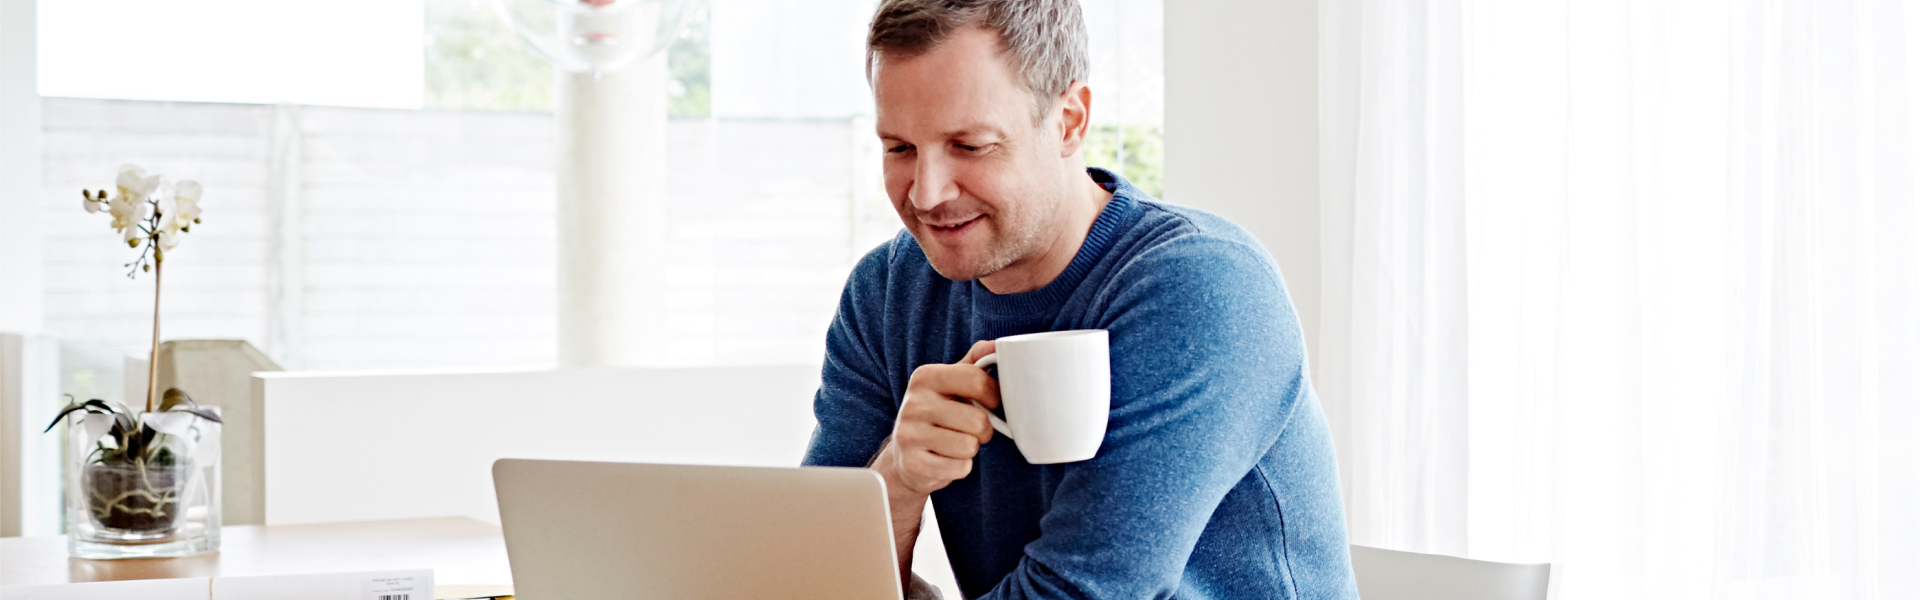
(20, 259)
(338, 52)
(364, 447)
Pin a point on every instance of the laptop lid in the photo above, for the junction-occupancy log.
(593, 530)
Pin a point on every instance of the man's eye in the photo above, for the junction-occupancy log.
(966, 148)
(899, 149)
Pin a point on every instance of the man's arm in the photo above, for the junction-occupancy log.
(1208, 365)
(934, 441)
(934, 436)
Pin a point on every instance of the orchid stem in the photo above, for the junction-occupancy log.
(153, 359)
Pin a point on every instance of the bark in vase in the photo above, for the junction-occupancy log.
(134, 499)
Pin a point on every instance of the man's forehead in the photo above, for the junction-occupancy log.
(961, 87)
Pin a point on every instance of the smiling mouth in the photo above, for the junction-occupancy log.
(954, 227)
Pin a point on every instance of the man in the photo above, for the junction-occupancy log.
(1216, 477)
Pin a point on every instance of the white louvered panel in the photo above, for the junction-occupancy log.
(214, 279)
(418, 224)
(427, 237)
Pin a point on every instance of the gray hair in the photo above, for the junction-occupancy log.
(1045, 41)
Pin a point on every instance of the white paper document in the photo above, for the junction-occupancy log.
(368, 585)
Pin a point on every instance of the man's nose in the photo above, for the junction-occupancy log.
(932, 183)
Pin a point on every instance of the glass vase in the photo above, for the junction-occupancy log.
(164, 504)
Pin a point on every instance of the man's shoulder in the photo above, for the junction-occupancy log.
(1185, 242)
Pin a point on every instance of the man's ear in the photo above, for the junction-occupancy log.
(1075, 115)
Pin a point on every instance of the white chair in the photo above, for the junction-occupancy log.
(1395, 575)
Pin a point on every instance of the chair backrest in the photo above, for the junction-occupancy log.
(1395, 575)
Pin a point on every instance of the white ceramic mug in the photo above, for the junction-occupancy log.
(1056, 388)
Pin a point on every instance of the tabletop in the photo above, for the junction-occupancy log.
(459, 550)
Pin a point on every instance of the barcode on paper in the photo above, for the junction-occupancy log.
(398, 585)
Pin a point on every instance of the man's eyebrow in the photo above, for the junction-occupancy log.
(970, 131)
(974, 131)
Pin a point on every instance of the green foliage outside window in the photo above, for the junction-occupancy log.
(474, 63)
(689, 69)
(1141, 148)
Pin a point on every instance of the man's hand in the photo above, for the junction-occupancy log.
(934, 440)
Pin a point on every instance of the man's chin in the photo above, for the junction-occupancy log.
(961, 267)
(958, 271)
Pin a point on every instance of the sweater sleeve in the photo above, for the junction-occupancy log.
(1208, 364)
(854, 407)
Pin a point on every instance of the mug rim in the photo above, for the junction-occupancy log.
(1043, 335)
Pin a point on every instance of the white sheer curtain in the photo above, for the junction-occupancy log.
(1632, 287)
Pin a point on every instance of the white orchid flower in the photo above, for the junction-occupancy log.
(129, 203)
(186, 204)
(167, 205)
(169, 232)
(123, 213)
(133, 236)
(134, 184)
(138, 196)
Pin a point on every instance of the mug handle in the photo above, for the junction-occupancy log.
(998, 425)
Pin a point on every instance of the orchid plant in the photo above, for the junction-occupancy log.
(131, 478)
(150, 213)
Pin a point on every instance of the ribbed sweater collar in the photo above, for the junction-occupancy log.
(1120, 212)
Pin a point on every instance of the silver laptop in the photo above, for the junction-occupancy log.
(591, 530)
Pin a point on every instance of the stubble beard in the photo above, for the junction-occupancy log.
(1019, 240)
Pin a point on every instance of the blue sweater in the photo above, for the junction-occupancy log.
(1216, 478)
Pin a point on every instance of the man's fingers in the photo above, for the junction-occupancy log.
(949, 413)
(961, 382)
(979, 350)
(949, 443)
(984, 433)
(939, 432)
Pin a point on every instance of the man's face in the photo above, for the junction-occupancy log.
(970, 172)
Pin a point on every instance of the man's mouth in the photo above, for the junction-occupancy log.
(953, 229)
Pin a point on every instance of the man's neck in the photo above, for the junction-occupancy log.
(1090, 199)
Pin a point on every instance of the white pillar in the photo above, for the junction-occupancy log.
(20, 255)
(612, 214)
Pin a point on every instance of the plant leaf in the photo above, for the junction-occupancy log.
(93, 406)
(178, 401)
(202, 413)
(123, 424)
(71, 407)
(174, 397)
